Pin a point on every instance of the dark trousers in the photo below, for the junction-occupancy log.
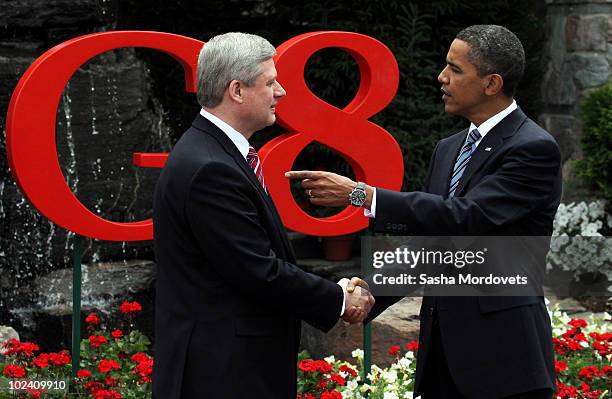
(438, 382)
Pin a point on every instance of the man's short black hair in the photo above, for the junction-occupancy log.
(495, 49)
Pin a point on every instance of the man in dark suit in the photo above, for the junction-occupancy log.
(229, 298)
(500, 177)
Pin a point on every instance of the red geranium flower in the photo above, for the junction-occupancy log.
(566, 391)
(107, 365)
(144, 368)
(35, 394)
(348, 370)
(107, 394)
(13, 370)
(139, 357)
(587, 373)
(569, 334)
(14, 346)
(130, 307)
(601, 337)
(331, 395)
(322, 366)
(577, 323)
(394, 350)
(338, 379)
(306, 365)
(412, 346)
(560, 366)
(97, 340)
(93, 386)
(41, 361)
(92, 319)
(84, 374)
(60, 358)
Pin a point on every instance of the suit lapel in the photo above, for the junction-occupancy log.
(491, 142)
(205, 125)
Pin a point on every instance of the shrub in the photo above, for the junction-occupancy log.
(596, 117)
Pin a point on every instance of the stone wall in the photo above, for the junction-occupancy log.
(579, 59)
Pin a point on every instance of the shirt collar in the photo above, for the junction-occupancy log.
(490, 123)
(237, 138)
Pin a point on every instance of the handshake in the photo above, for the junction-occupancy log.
(357, 300)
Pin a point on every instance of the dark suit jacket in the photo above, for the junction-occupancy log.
(229, 298)
(495, 346)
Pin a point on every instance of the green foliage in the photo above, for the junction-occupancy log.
(418, 32)
(596, 116)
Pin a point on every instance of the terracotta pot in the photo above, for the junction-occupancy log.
(338, 248)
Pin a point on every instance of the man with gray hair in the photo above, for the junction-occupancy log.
(229, 298)
(500, 177)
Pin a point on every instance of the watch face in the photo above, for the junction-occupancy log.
(358, 198)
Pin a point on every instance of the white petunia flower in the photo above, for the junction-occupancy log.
(390, 376)
(404, 363)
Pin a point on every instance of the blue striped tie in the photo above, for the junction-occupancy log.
(253, 160)
(462, 160)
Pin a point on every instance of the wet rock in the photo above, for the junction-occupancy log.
(398, 325)
(47, 315)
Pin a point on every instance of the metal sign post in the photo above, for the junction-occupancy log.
(77, 252)
(366, 251)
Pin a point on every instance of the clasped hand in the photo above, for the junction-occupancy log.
(358, 300)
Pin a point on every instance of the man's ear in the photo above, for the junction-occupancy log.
(494, 84)
(235, 91)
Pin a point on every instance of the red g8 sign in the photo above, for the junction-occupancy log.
(369, 149)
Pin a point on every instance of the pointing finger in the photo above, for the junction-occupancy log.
(301, 174)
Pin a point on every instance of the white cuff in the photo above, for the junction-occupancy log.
(342, 283)
(371, 213)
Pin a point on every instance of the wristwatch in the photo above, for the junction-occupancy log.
(357, 197)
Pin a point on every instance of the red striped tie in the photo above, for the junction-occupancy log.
(253, 160)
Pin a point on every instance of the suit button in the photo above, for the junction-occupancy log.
(431, 311)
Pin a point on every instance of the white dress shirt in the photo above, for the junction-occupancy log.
(483, 129)
(237, 138)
